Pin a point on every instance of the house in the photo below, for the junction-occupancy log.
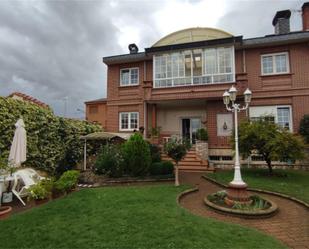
(25, 97)
(96, 111)
(177, 84)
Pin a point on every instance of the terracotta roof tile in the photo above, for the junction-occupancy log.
(28, 98)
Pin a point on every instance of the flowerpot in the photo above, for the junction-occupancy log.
(5, 212)
(41, 201)
(7, 197)
(155, 140)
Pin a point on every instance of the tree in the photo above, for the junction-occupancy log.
(176, 150)
(269, 140)
(137, 155)
(304, 128)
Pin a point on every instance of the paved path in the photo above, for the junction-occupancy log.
(290, 224)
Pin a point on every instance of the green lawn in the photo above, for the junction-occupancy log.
(296, 182)
(124, 217)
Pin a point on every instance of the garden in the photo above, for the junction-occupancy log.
(132, 216)
(290, 182)
(124, 217)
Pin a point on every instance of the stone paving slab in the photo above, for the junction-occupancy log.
(290, 224)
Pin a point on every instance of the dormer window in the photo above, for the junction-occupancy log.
(194, 67)
(129, 77)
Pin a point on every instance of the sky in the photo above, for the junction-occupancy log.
(52, 50)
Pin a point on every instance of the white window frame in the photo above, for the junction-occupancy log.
(203, 70)
(129, 121)
(276, 114)
(273, 55)
(130, 84)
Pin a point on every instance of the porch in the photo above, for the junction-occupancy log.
(176, 118)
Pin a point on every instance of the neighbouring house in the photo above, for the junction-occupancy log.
(96, 111)
(177, 84)
(25, 97)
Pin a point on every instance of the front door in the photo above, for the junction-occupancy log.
(189, 128)
(186, 128)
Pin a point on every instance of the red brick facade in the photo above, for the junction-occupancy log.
(96, 111)
(290, 89)
(286, 89)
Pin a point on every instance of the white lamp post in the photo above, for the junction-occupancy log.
(237, 185)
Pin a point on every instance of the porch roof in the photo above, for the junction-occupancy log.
(106, 136)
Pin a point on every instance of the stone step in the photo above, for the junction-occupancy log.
(190, 163)
(186, 159)
(193, 168)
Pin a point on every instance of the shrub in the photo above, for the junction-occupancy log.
(52, 142)
(109, 161)
(304, 128)
(155, 153)
(161, 168)
(40, 191)
(137, 155)
(167, 168)
(202, 134)
(155, 168)
(67, 181)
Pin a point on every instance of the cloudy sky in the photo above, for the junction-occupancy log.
(53, 50)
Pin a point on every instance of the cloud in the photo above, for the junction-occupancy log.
(254, 18)
(53, 49)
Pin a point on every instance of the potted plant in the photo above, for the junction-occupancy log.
(202, 135)
(6, 171)
(5, 212)
(41, 192)
(155, 135)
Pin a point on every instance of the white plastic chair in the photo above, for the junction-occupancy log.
(29, 177)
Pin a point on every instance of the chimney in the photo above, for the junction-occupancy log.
(305, 11)
(281, 22)
(133, 48)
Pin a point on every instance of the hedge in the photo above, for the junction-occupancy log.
(53, 142)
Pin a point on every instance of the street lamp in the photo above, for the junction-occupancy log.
(237, 187)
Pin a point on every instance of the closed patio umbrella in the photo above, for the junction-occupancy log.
(19, 145)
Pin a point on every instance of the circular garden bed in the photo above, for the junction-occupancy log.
(258, 208)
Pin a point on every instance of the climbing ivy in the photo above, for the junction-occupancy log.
(52, 142)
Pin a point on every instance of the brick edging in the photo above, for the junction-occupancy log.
(306, 205)
(139, 180)
(127, 181)
(184, 193)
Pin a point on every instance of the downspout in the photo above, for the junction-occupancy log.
(244, 61)
(244, 69)
(145, 103)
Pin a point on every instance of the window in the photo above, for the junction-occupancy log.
(128, 121)
(275, 63)
(129, 76)
(284, 117)
(194, 67)
(280, 115)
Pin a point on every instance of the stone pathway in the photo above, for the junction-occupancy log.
(290, 224)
